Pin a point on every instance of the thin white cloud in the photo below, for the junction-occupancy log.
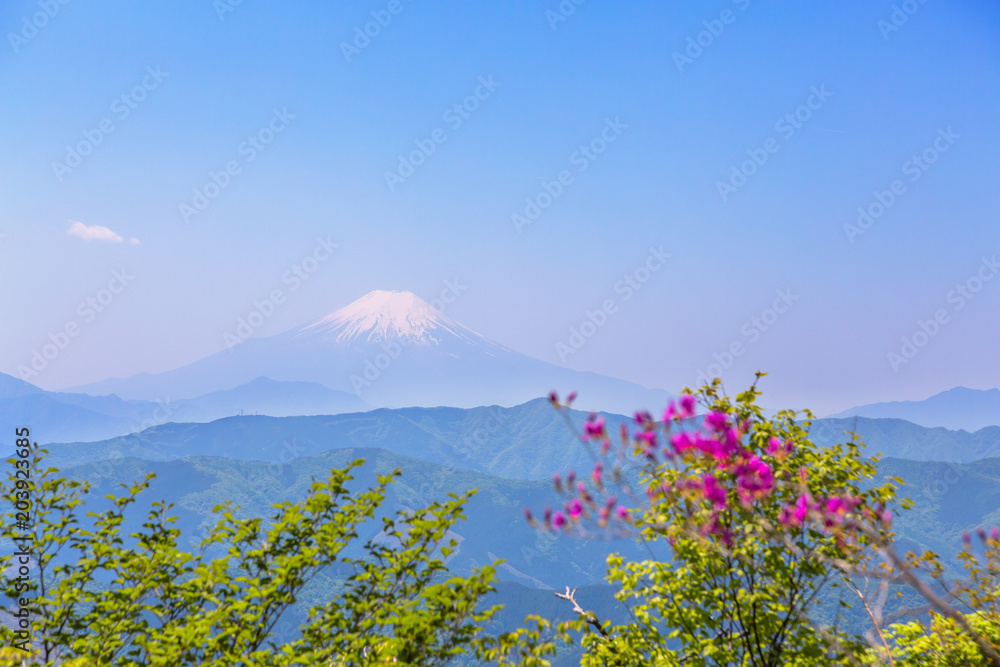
(96, 233)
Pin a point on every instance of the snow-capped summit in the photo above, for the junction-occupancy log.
(390, 349)
(382, 316)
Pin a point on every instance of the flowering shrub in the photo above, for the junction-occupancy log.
(747, 523)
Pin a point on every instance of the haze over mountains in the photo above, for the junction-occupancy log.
(63, 416)
(391, 349)
(958, 408)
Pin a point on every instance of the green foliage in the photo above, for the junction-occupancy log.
(941, 643)
(952, 638)
(104, 598)
(741, 593)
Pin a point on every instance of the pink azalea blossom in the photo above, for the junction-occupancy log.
(558, 520)
(593, 428)
(754, 479)
(575, 509)
(716, 421)
(597, 474)
(714, 493)
(803, 506)
(687, 406)
(682, 442)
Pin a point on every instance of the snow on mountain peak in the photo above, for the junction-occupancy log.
(382, 316)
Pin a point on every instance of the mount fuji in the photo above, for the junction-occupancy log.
(391, 349)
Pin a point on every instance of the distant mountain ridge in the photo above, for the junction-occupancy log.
(392, 349)
(61, 416)
(528, 441)
(958, 408)
(948, 498)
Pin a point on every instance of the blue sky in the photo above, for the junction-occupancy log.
(888, 94)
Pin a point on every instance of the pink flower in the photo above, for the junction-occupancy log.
(622, 512)
(669, 413)
(754, 480)
(558, 520)
(575, 509)
(593, 428)
(571, 397)
(687, 406)
(796, 515)
(716, 421)
(648, 437)
(557, 482)
(802, 508)
(682, 442)
(596, 475)
(778, 449)
(714, 493)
